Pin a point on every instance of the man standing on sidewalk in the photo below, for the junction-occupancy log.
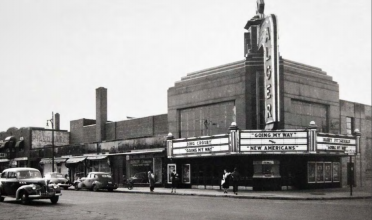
(235, 179)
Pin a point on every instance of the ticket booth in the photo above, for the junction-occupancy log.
(266, 175)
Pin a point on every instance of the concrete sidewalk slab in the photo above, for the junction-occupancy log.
(319, 194)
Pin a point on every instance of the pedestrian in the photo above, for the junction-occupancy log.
(235, 176)
(151, 178)
(174, 179)
(225, 180)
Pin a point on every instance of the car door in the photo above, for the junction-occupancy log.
(10, 183)
(3, 183)
(87, 182)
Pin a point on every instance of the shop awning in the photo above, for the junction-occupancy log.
(4, 160)
(20, 158)
(98, 157)
(49, 160)
(75, 160)
(10, 138)
(146, 151)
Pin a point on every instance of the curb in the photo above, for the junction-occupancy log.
(251, 197)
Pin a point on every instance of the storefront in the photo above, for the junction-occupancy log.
(77, 167)
(140, 162)
(98, 163)
(266, 160)
(59, 165)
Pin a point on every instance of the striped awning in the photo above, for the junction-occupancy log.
(98, 157)
(75, 160)
(49, 160)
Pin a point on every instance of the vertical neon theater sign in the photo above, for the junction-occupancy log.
(268, 42)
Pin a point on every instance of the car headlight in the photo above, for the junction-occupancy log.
(35, 187)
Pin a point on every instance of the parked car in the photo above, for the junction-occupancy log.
(140, 177)
(96, 181)
(26, 184)
(58, 179)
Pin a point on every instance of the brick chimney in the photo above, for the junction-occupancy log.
(56, 122)
(101, 113)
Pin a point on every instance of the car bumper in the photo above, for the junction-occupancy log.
(44, 195)
(109, 186)
(63, 185)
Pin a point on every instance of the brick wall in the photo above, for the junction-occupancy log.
(362, 116)
(142, 127)
(309, 85)
(214, 85)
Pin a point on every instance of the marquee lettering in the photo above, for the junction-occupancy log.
(268, 108)
(268, 72)
(268, 94)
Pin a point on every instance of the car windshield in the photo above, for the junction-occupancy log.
(55, 175)
(27, 174)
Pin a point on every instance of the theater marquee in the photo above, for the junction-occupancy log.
(339, 144)
(273, 141)
(206, 146)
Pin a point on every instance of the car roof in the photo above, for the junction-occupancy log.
(19, 169)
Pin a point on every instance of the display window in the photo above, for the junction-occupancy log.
(323, 172)
(328, 172)
(99, 166)
(170, 169)
(186, 173)
(336, 171)
(319, 172)
(266, 169)
(158, 167)
(311, 172)
(139, 168)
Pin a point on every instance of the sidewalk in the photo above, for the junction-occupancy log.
(317, 194)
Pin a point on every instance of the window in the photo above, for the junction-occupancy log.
(349, 125)
(3, 175)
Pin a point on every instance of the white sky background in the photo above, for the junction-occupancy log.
(54, 54)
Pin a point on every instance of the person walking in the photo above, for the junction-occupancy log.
(235, 176)
(225, 180)
(151, 178)
(174, 179)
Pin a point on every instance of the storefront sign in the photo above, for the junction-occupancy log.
(269, 42)
(41, 138)
(271, 141)
(338, 144)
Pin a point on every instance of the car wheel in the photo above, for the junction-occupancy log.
(54, 199)
(76, 186)
(95, 188)
(24, 198)
(110, 190)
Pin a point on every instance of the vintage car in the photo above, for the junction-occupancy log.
(26, 184)
(59, 179)
(141, 177)
(96, 181)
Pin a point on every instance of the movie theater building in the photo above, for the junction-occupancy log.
(281, 123)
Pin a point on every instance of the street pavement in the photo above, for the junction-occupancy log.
(317, 194)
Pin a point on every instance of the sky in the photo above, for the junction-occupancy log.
(54, 54)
